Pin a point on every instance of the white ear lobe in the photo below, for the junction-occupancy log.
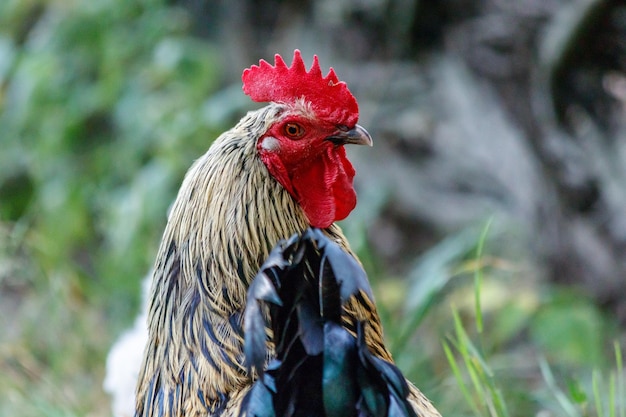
(270, 144)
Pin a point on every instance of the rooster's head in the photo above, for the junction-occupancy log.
(303, 147)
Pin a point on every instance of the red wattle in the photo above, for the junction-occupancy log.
(324, 187)
(321, 185)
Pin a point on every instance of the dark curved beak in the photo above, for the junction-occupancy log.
(355, 136)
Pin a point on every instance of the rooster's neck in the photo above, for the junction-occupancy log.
(228, 214)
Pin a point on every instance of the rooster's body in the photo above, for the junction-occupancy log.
(280, 170)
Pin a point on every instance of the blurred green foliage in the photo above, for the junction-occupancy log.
(101, 113)
(530, 349)
(103, 106)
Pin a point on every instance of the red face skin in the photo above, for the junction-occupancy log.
(314, 170)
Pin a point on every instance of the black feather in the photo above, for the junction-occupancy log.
(258, 401)
(346, 270)
(255, 349)
(339, 378)
(320, 369)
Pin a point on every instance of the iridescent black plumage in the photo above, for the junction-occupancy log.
(320, 368)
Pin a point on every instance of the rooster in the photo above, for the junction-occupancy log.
(280, 170)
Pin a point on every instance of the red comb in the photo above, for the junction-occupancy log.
(330, 98)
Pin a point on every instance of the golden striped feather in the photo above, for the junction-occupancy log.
(228, 215)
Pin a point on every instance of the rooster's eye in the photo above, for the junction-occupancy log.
(293, 130)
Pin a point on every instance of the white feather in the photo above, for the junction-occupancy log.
(124, 361)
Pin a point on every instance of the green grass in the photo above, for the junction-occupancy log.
(540, 350)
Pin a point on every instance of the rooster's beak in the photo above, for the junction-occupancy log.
(355, 136)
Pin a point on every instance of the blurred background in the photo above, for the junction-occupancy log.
(499, 169)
